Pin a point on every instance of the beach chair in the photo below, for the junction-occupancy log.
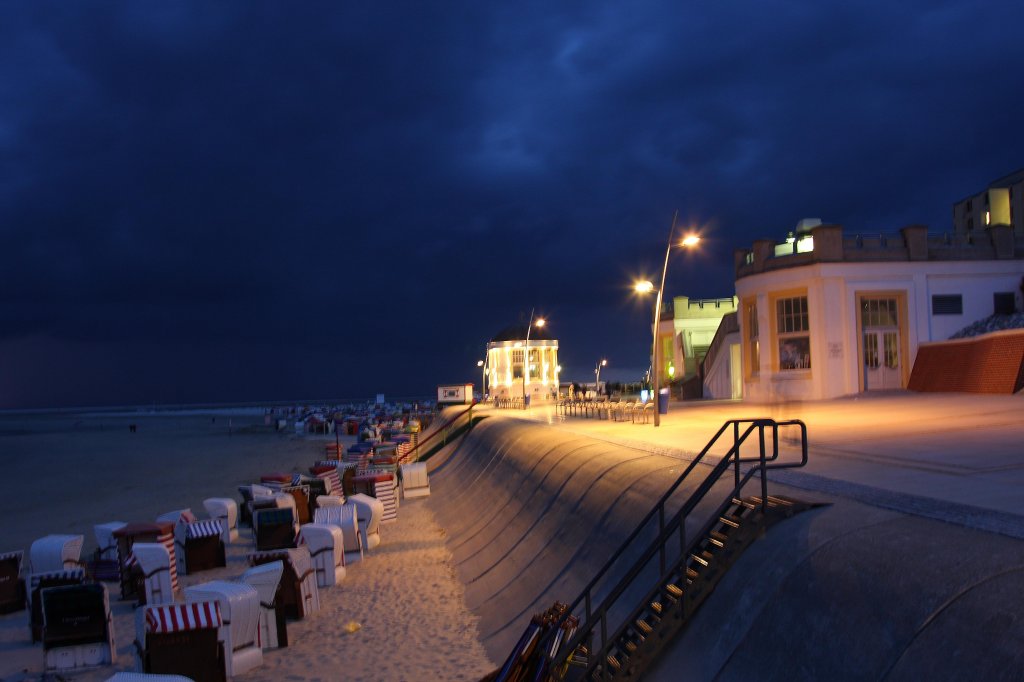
(345, 517)
(78, 631)
(266, 578)
(154, 560)
(303, 502)
(326, 550)
(180, 639)
(381, 486)
(240, 622)
(415, 482)
(369, 511)
(126, 536)
(199, 545)
(146, 677)
(274, 528)
(12, 585)
(332, 478)
(103, 565)
(55, 553)
(249, 493)
(37, 582)
(299, 594)
(326, 501)
(225, 510)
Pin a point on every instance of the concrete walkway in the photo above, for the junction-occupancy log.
(954, 457)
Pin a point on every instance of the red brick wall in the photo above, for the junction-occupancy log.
(993, 363)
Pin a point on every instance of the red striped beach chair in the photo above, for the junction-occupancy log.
(162, 533)
(181, 639)
(331, 476)
(381, 485)
(240, 627)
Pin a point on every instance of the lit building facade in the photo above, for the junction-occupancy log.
(513, 360)
(686, 331)
(844, 314)
(1001, 203)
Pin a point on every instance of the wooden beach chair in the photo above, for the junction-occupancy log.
(37, 582)
(12, 585)
(161, 532)
(274, 528)
(78, 630)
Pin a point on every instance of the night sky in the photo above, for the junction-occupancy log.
(243, 201)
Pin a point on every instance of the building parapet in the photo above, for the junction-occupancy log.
(828, 244)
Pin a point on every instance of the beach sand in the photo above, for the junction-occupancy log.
(67, 472)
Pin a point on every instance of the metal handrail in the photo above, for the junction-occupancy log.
(668, 530)
(442, 429)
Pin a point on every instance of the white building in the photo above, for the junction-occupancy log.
(823, 315)
(507, 368)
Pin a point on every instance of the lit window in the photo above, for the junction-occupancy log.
(753, 339)
(793, 333)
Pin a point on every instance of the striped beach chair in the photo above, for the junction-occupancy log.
(161, 532)
(329, 474)
(154, 561)
(381, 485)
(181, 639)
(200, 545)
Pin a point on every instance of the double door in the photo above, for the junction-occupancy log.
(882, 359)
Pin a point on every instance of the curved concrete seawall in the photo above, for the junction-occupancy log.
(847, 591)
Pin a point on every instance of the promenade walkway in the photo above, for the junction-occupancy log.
(955, 457)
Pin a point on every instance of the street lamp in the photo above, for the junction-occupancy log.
(597, 375)
(688, 242)
(526, 357)
(483, 379)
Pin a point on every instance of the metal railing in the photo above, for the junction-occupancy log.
(669, 530)
(443, 431)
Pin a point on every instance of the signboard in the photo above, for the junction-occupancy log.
(455, 394)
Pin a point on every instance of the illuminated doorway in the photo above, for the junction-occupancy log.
(880, 343)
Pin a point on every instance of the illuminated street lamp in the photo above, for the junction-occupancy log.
(540, 322)
(688, 242)
(483, 379)
(597, 375)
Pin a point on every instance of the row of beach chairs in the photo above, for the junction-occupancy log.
(306, 530)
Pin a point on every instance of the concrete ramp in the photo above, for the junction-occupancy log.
(842, 592)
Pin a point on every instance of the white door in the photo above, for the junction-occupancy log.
(881, 359)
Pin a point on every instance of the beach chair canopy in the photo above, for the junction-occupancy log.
(56, 552)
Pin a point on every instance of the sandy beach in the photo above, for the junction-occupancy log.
(67, 472)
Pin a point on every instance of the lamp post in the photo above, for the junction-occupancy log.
(597, 376)
(483, 379)
(526, 353)
(689, 241)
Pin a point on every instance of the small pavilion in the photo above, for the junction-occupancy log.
(508, 368)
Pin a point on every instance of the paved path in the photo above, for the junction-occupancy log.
(954, 457)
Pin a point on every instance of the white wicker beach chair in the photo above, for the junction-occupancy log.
(415, 482)
(370, 512)
(56, 553)
(155, 562)
(266, 578)
(225, 510)
(327, 550)
(240, 609)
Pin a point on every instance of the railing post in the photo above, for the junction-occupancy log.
(661, 529)
(764, 468)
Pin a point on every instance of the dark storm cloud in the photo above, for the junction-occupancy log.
(207, 201)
